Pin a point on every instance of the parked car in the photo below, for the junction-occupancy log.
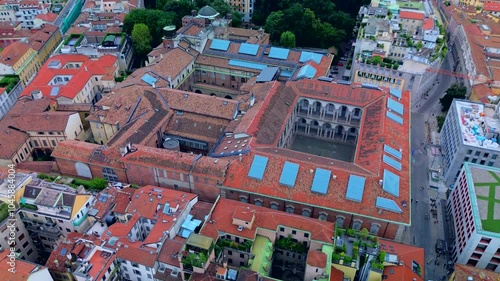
(340, 64)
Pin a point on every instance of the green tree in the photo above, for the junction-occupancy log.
(156, 20)
(455, 91)
(275, 24)
(287, 39)
(364, 233)
(221, 7)
(237, 19)
(377, 60)
(419, 45)
(141, 39)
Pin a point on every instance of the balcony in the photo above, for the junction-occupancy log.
(44, 230)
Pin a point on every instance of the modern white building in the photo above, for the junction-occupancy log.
(469, 134)
(475, 211)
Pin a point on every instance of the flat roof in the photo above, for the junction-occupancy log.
(267, 74)
(478, 124)
(484, 188)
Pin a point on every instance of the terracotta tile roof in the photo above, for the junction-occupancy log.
(13, 139)
(336, 274)
(23, 268)
(491, 7)
(197, 127)
(411, 15)
(172, 64)
(104, 202)
(316, 258)
(462, 272)
(122, 200)
(169, 248)
(43, 122)
(406, 254)
(222, 217)
(13, 53)
(79, 76)
(428, 23)
(40, 38)
(375, 131)
(85, 107)
(48, 17)
(87, 153)
(142, 256)
(482, 92)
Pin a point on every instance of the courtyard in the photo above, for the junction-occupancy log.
(331, 149)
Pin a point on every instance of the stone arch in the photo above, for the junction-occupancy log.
(306, 212)
(343, 111)
(339, 130)
(374, 228)
(198, 92)
(327, 126)
(83, 170)
(243, 199)
(322, 216)
(356, 113)
(317, 107)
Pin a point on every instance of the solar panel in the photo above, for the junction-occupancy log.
(396, 93)
(278, 53)
(307, 56)
(247, 64)
(391, 162)
(394, 152)
(258, 167)
(306, 71)
(321, 181)
(219, 45)
(355, 188)
(150, 80)
(394, 118)
(395, 106)
(248, 49)
(390, 183)
(289, 174)
(387, 204)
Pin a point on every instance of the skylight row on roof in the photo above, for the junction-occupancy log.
(248, 49)
(355, 188)
(220, 45)
(387, 204)
(321, 181)
(394, 117)
(390, 183)
(278, 53)
(289, 174)
(258, 167)
(394, 152)
(395, 106)
(391, 162)
(150, 80)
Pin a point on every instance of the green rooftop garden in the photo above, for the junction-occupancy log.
(378, 262)
(194, 260)
(4, 211)
(223, 243)
(78, 37)
(9, 82)
(112, 36)
(96, 184)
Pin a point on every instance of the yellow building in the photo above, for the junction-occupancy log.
(44, 42)
(19, 58)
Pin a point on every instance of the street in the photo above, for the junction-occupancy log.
(424, 232)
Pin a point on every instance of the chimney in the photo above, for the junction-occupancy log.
(57, 263)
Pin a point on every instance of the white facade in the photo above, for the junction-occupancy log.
(136, 272)
(473, 245)
(7, 100)
(457, 151)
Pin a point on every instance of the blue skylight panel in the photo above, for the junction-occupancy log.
(166, 208)
(306, 71)
(395, 106)
(219, 45)
(258, 167)
(394, 152)
(321, 181)
(396, 93)
(355, 188)
(289, 174)
(387, 204)
(248, 49)
(391, 162)
(55, 91)
(279, 53)
(286, 73)
(64, 251)
(246, 64)
(308, 56)
(394, 118)
(390, 183)
(150, 80)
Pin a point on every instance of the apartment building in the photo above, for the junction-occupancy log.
(245, 7)
(492, 8)
(464, 272)
(74, 78)
(31, 126)
(50, 210)
(468, 135)
(81, 257)
(19, 58)
(24, 11)
(24, 270)
(386, 53)
(476, 235)
(20, 182)
(98, 45)
(44, 42)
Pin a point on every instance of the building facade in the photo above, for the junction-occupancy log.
(476, 236)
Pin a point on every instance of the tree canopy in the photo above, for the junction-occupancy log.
(287, 39)
(155, 20)
(309, 30)
(455, 91)
(142, 39)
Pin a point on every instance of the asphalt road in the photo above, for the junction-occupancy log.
(424, 232)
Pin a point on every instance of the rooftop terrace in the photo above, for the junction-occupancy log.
(484, 186)
(479, 125)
